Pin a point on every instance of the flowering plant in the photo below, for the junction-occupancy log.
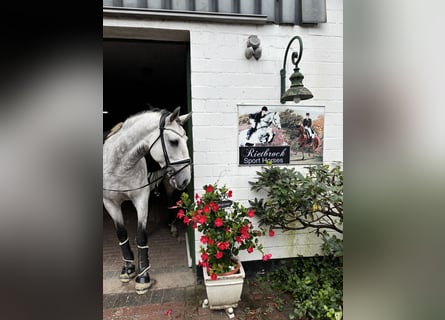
(225, 225)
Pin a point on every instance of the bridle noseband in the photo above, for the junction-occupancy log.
(170, 171)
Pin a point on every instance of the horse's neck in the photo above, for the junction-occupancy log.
(134, 141)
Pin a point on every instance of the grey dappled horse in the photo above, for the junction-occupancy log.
(263, 133)
(158, 135)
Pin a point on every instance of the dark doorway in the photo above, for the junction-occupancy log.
(140, 73)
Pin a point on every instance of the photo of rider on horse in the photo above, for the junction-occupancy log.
(301, 128)
(255, 119)
(307, 123)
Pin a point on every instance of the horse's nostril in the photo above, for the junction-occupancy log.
(184, 184)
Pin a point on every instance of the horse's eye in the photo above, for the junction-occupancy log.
(174, 143)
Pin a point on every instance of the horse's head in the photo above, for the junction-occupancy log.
(172, 151)
(276, 120)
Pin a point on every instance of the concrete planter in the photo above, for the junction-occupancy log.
(224, 292)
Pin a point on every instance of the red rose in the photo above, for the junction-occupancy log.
(219, 255)
(223, 245)
(206, 209)
(229, 194)
(250, 249)
(180, 214)
(213, 276)
(218, 222)
(197, 196)
(238, 239)
(251, 213)
(202, 219)
(271, 233)
(204, 239)
(204, 256)
(186, 219)
(209, 189)
(214, 206)
(267, 256)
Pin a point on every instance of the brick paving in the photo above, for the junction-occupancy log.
(177, 292)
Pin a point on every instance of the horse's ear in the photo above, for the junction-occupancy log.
(175, 114)
(184, 118)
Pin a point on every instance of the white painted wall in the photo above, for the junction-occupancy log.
(221, 78)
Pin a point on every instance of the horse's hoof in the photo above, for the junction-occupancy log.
(128, 272)
(142, 290)
(142, 284)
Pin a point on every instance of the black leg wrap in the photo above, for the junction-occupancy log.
(143, 278)
(126, 251)
(143, 259)
(122, 235)
(128, 272)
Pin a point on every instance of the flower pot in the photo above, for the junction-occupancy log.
(225, 291)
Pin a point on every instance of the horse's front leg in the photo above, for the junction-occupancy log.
(271, 135)
(143, 278)
(129, 269)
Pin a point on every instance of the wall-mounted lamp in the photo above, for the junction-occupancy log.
(253, 47)
(297, 91)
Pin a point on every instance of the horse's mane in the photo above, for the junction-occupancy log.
(133, 118)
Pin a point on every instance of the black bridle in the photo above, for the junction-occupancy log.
(170, 171)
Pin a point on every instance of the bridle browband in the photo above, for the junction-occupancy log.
(170, 170)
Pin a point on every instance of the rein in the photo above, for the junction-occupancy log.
(170, 171)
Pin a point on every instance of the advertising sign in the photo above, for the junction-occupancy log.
(280, 134)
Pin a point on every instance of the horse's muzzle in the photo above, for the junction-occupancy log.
(175, 175)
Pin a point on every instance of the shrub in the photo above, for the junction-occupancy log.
(315, 285)
(296, 202)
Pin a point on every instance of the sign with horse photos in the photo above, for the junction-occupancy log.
(280, 134)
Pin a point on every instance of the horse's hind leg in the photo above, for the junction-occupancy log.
(129, 269)
(143, 278)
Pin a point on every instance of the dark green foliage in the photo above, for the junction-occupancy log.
(295, 202)
(315, 284)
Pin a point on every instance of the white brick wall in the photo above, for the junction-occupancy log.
(221, 78)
